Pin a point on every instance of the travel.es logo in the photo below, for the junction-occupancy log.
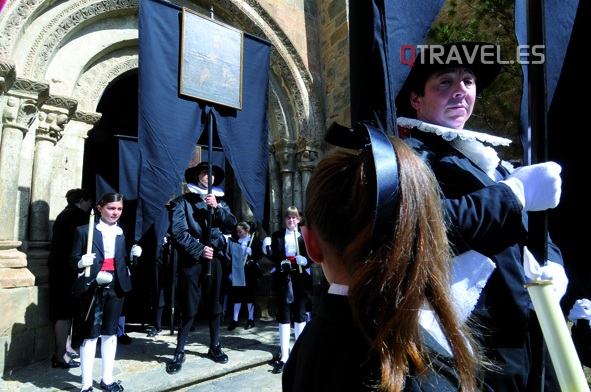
(463, 55)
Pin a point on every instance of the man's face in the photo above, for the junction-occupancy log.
(203, 177)
(449, 98)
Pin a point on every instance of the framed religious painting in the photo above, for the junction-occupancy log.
(211, 60)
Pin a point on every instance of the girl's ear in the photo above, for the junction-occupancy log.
(312, 246)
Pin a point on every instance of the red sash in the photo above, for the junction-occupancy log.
(108, 265)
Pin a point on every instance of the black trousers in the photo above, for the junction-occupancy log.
(101, 312)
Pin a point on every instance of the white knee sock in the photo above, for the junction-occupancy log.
(87, 354)
(236, 311)
(298, 328)
(284, 336)
(250, 311)
(108, 351)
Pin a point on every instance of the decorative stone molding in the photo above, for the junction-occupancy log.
(7, 75)
(95, 80)
(280, 120)
(87, 118)
(12, 18)
(67, 20)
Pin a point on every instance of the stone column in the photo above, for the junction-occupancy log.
(68, 157)
(22, 102)
(285, 154)
(52, 118)
(309, 153)
(275, 193)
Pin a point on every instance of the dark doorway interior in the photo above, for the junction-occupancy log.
(101, 173)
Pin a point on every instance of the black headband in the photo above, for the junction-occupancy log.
(365, 136)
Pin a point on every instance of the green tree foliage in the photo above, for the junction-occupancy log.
(497, 108)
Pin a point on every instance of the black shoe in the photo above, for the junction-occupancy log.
(73, 355)
(232, 326)
(217, 355)
(55, 363)
(278, 367)
(124, 339)
(176, 364)
(249, 324)
(154, 332)
(115, 386)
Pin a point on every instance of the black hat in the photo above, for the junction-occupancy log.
(192, 173)
(481, 57)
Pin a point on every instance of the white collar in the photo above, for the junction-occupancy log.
(193, 188)
(338, 289)
(467, 142)
(108, 229)
(450, 133)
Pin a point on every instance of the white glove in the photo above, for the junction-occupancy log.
(538, 186)
(86, 260)
(249, 251)
(136, 250)
(230, 277)
(266, 242)
(551, 271)
(555, 272)
(301, 260)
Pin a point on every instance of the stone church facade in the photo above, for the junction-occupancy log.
(57, 59)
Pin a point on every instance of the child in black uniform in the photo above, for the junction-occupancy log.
(245, 285)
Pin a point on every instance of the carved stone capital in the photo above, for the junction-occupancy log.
(53, 117)
(285, 154)
(24, 98)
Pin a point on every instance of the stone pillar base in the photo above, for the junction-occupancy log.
(13, 267)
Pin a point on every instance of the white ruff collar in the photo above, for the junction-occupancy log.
(469, 143)
(106, 229)
(450, 133)
(214, 190)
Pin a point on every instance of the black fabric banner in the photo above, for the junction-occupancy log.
(169, 125)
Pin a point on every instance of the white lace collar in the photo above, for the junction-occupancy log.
(469, 143)
(450, 133)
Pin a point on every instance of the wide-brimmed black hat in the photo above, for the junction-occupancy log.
(481, 57)
(192, 173)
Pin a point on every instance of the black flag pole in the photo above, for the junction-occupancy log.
(209, 185)
(209, 173)
(538, 123)
(538, 152)
(550, 333)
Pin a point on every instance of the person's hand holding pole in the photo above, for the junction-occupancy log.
(556, 333)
